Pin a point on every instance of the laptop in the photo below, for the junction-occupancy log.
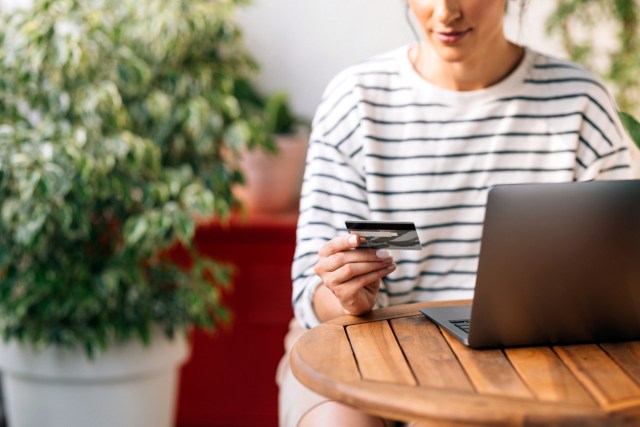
(559, 264)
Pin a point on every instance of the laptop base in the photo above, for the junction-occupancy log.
(447, 316)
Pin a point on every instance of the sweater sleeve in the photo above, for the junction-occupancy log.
(606, 151)
(333, 190)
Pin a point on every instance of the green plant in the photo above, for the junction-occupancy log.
(113, 118)
(279, 118)
(275, 109)
(632, 125)
(576, 20)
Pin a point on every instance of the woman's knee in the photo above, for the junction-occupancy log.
(336, 414)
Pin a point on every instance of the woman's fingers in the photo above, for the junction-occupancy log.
(361, 281)
(353, 270)
(336, 261)
(339, 244)
(340, 251)
(340, 259)
(358, 295)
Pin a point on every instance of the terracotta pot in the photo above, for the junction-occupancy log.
(273, 181)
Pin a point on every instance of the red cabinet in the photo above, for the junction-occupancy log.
(230, 377)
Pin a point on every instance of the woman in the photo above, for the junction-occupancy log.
(420, 134)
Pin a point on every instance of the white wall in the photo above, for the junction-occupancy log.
(301, 44)
(531, 31)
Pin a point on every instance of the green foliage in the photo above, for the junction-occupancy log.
(275, 109)
(278, 116)
(632, 125)
(114, 116)
(575, 21)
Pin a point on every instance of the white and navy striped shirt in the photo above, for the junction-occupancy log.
(388, 145)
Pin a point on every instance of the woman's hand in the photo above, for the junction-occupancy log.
(353, 275)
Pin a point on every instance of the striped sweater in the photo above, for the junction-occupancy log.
(388, 145)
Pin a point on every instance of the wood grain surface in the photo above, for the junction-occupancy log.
(397, 364)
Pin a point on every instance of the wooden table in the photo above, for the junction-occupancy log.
(396, 364)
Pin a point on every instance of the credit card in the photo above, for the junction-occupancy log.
(390, 235)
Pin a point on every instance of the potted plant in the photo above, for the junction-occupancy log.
(113, 118)
(272, 177)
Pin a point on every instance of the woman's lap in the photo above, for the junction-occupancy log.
(294, 399)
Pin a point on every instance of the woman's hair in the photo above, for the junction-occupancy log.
(523, 8)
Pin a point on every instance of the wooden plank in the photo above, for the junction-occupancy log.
(489, 370)
(322, 357)
(627, 412)
(547, 377)
(430, 357)
(431, 406)
(601, 376)
(393, 312)
(627, 355)
(377, 352)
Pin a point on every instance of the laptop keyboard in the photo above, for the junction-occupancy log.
(462, 324)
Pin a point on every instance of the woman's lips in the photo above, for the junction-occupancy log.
(450, 37)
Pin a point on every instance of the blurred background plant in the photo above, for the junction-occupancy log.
(113, 117)
(278, 117)
(272, 178)
(632, 125)
(616, 58)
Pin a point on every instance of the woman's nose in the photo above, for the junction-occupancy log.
(447, 11)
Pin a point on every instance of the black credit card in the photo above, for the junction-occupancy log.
(390, 235)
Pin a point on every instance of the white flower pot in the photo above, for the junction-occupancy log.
(128, 385)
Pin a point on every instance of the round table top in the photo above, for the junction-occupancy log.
(397, 364)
